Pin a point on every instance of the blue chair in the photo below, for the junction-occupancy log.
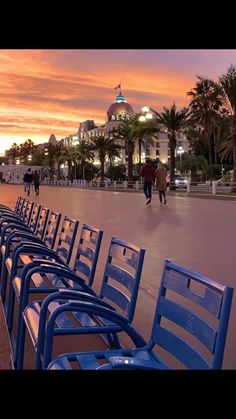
(28, 283)
(119, 289)
(17, 206)
(190, 325)
(22, 218)
(45, 233)
(28, 251)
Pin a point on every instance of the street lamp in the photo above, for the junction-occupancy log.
(145, 116)
(29, 157)
(180, 151)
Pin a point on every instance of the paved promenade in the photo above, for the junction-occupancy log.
(197, 233)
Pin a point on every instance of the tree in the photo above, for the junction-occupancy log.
(84, 153)
(192, 163)
(14, 152)
(132, 131)
(204, 107)
(26, 149)
(227, 83)
(103, 145)
(174, 121)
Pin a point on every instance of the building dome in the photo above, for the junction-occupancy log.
(120, 109)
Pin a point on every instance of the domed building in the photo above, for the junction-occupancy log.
(118, 112)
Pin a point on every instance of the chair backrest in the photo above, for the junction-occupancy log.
(28, 212)
(42, 223)
(23, 210)
(18, 201)
(66, 240)
(191, 317)
(87, 253)
(122, 276)
(34, 217)
(52, 229)
(20, 206)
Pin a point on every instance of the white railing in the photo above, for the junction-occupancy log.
(137, 185)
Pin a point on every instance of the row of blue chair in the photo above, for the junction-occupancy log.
(189, 326)
(123, 266)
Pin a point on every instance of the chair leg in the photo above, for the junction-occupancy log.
(20, 346)
(4, 282)
(10, 308)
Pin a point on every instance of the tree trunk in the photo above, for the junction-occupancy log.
(210, 157)
(83, 167)
(233, 187)
(102, 161)
(139, 153)
(215, 146)
(130, 162)
(172, 141)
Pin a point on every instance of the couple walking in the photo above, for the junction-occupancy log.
(150, 175)
(30, 177)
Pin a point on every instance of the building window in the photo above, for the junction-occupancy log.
(157, 153)
(157, 144)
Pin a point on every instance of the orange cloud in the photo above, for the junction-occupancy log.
(51, 91)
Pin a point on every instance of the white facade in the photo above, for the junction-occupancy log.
(119, 111)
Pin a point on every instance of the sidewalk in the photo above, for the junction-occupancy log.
(196, 233)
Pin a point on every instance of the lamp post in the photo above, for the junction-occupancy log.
(75, 139)
(180, 151)
(145, 116)
(222, 170)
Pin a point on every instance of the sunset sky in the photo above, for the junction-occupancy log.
(44, 92)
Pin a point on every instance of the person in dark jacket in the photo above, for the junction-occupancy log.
(36, 182)
(28, 179)
(148, 173)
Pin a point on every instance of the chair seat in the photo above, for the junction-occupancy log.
(119, 358)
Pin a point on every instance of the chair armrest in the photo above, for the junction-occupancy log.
(92, 308)
(32, 249)
(11, 238)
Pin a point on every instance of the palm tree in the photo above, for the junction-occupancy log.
(102, 144)
(84, 153)
(227, 83)
(14, 152)
(192, 163)
(204, 106)
(50, 158)
(113, 151)
(68, 155)
(26, 149)
(174, 121)
(132, 131)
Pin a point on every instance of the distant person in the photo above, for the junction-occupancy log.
(161, 184)
(28, 179)
(36, 182)
(148, 173)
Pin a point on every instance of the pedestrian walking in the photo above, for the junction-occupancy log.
(28, 179)
(148, 173)
(161, 184)
(36, 182)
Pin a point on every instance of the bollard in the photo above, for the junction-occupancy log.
(137, 184)
(114, 184)
(125, 184)
(213, 187)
